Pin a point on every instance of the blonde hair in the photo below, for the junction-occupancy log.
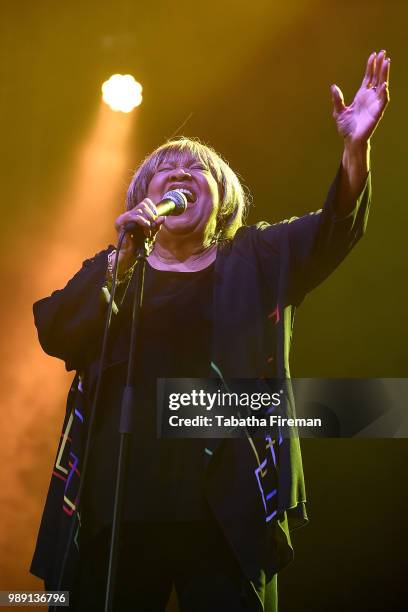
(234, 197)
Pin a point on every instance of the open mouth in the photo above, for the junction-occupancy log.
(189, 193)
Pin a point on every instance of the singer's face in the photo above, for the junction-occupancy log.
(202, 198)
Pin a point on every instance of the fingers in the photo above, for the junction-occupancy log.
(148, 205)
(369, 70)
(380, 79)
(384, 75)
(131, 216)
(377, 69)
(384, 78)
(337, 99)
(144, 214)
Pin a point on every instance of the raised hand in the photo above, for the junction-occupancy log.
(357, 122)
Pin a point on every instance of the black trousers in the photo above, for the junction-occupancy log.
(154, 556)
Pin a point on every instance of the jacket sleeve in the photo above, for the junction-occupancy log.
(70, 321)
(312, 246)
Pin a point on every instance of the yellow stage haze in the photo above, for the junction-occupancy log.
(33, 385)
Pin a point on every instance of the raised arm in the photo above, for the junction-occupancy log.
(312, 246)
(356, 124)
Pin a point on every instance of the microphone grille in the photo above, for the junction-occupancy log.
(179, 199)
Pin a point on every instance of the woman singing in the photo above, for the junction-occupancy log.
(211, 517)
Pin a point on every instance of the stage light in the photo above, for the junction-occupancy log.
(122, 93)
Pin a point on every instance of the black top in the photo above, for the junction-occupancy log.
(165, 475)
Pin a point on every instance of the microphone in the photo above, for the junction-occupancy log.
(174, 202)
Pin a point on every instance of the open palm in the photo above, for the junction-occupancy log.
(358, 121)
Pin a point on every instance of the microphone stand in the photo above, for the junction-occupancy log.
(125, 429)
(173, 202)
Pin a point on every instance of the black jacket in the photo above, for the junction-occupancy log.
(261, 275)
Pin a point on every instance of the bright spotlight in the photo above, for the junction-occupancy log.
(122, 92)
